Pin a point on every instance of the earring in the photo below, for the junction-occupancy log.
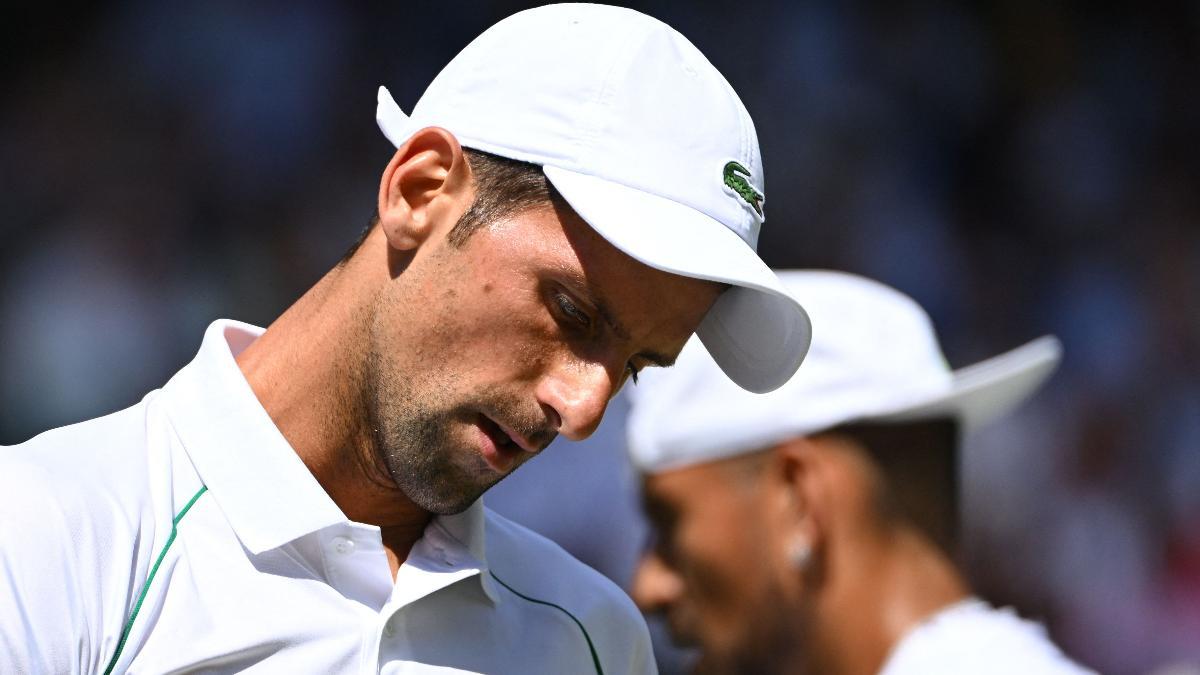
(800, 553)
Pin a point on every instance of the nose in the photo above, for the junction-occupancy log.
(578, 392)
(655, 585)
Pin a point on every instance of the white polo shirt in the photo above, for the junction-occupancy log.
(187, 535)
(973, 638)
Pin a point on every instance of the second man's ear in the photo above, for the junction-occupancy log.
(425, 189)
(798, 481)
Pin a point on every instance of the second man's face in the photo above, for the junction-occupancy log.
(713, 568)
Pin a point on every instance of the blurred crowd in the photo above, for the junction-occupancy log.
(1019, 168)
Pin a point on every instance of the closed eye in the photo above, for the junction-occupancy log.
(633, 372)
(571, 311)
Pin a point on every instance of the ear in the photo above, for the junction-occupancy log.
(800, 489)
(425, 189)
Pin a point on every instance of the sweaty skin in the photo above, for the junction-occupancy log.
(419, 373)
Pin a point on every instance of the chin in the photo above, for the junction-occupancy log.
(741, 664)
(442, 488)
(442, 500)
(773, 649)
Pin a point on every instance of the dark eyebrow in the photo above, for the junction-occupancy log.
(657, 508)
(614, 324)
(658, 359)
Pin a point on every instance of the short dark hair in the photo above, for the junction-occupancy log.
(918, 463)
(503, 187)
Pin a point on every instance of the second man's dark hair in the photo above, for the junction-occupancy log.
(918, 463)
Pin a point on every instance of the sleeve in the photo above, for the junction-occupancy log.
(46, 621)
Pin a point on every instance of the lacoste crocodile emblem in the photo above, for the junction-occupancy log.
(736, 178)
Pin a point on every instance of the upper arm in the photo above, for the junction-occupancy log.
(44, 621)
(72, 545)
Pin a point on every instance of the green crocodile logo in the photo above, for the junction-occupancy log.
(736, 177)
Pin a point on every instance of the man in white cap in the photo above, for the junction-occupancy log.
(811, 529)
(574, 195)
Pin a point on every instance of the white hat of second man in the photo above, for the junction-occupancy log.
(874, 358)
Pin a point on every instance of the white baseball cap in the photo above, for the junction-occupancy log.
(646, 141)
(875, 359)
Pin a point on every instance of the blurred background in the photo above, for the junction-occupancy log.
(1018, 167)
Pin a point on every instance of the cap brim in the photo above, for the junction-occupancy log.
(989, 389)
(756, 332)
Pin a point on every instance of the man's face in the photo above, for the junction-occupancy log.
(480, 354)
(712, 569)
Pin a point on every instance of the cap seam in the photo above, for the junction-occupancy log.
(621, 60)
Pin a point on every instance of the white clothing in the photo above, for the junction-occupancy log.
(973, 638)
(261, 571)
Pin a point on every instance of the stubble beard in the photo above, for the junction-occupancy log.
(410, 434)
(411, 419)
(774, 643)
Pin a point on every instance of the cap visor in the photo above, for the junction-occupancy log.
(755, 331)
(989, 389)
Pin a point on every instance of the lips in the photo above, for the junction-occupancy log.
(517, 439)
(500, 448)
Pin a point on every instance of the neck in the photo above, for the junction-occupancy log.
(879, 594)
(308, 371)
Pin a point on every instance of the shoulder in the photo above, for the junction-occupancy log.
(83, 469)
(82, 505)
(96, 493)
(528, 563)
(974, 637)
(554, 574)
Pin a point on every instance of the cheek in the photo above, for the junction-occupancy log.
(723, 563)
(484, 332)
(505, 333)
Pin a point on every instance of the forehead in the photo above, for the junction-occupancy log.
(712, 487)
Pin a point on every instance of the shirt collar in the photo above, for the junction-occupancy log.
(267, 493)
(462, 533)
(925, 635)
(467, 527)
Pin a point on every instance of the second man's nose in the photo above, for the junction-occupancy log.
(655, 585)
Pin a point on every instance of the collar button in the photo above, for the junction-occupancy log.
(343, 545)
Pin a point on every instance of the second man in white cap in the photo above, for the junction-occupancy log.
(812, 529)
